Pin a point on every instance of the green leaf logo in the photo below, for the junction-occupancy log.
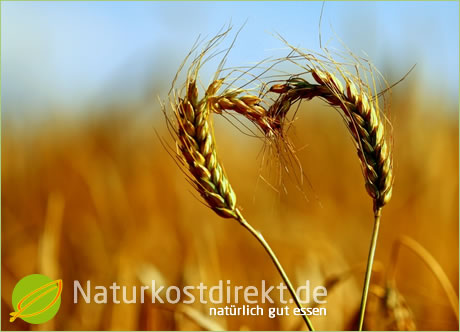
(36, 299)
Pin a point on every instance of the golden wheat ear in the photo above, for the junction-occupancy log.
(367, 128)
(362, 119)
(195, 141)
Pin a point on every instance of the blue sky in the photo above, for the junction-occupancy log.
(72, 54)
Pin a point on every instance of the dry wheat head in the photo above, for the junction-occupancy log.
(362, 119)
(196, 148)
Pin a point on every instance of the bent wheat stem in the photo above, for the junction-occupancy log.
(277, 264)
(362, 117)
(196, 151)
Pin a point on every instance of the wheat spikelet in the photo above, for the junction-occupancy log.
(400, 316)
(388, 310)
(247, 105)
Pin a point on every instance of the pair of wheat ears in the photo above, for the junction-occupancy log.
(192, 127)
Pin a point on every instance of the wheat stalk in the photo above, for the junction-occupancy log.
(197, 153)
(362, 117)
(195, 140)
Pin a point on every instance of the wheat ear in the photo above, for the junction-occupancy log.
(368, 130)
(362, 117)
(195, 140)
(197, 153)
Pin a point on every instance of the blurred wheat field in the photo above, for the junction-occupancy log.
(100, 199)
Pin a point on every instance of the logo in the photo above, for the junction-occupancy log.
(36, 299)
